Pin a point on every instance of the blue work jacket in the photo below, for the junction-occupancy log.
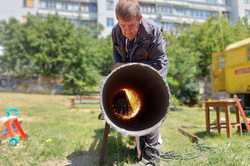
(148, 48)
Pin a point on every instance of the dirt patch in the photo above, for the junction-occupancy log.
(84, 159)
(31, 119)
(87, 159)
(55, 163)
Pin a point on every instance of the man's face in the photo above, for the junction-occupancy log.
(129, 27)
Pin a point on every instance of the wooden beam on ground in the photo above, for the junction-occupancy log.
(193, 138)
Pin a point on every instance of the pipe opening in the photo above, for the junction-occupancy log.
(134, 98)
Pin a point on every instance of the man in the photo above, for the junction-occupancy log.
(137, 40)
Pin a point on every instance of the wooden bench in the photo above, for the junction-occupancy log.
(76, 100)
(224, 104)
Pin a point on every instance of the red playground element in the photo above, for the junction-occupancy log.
(12, 128)
(243, 114)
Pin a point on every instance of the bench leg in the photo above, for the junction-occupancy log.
(207, 116)
(72, 103)
(238, 121)
(218, 119)
(228, 122)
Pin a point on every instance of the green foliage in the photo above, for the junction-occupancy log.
(103, 53)
(53, 47)
(215, 35)
(14, 59)
(182, 70)
(190, 53)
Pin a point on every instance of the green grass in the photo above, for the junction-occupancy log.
(60, 136)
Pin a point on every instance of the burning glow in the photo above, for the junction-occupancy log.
(133, 104)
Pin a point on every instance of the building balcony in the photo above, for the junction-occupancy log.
(82, 15)
(186, 2)
(87, 1)
(174, 19)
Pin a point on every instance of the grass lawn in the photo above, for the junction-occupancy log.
(60, 136)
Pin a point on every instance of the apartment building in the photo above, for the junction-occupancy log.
(239, 8)
(168, 14)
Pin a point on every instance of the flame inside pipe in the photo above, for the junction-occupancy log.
(126, 104)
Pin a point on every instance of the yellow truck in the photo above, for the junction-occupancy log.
(231, 71)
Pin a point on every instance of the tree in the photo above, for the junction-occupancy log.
(103, 55)
(190, 53)
(182, 69)
(81, 73)
(50, 46)
(15, 58)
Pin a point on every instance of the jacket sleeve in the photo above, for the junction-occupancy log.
(116, 56)
(158, 56)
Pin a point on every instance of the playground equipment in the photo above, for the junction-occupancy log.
(243, 114)
(10, 127)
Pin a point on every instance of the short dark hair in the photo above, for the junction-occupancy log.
(127, 9)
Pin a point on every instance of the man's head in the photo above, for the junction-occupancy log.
(129, 17)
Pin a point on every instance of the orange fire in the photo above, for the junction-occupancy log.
(133, 104)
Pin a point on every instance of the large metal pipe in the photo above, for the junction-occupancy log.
(134, 99)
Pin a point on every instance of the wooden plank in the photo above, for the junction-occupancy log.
(207, 116)
(193, 138)
(238, 123)
(75, 100)
(228, 122)
(218, 120)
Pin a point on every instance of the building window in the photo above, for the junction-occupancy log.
(110, 22)
(201, 14)
(181, 12)
(50, 4)
(221, 62)
(248, 55)
(247, 13)
(165, 10)
(212, 1)
(28, 3)
(61, 6)
(73, 6)
(168, 26)
(247, 1)
(1, 50)
(148, 9)
(84, 8)
(92, 8)
(42, 4)
(110, 4)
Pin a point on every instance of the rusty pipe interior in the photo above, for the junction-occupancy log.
(134, 99)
